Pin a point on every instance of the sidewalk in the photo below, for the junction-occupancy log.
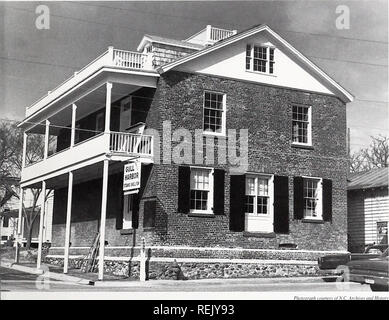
(77, 277)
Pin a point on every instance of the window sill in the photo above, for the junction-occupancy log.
(201, 215)
(126, 231)
(148, 229)
(259, 234)
(302, 146)
(262, 73)
(312, 221)
(215, 134)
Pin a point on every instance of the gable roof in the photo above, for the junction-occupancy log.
(340, 91)
(368, 179)
(168, 41)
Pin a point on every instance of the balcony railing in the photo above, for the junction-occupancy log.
(218, 34)
(131, 143)
(111, 58)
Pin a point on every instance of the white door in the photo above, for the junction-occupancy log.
(127, 211)
(125, 114)
(259, 204)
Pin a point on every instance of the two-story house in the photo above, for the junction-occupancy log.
(144, 145)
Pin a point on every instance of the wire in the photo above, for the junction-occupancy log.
(226, 23)
(140, 30)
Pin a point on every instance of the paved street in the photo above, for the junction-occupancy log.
(15, 281)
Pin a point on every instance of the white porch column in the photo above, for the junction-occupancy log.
(108, 108)
(41, 219)
(68, 219)
(20, 225)
(73, 133)
(47, 132)
(24, 149)
(102, 219)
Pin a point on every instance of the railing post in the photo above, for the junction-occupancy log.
(110, 55)
(208, 33)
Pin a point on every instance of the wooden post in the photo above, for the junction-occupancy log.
(24, 149)
(68, 219)
(108, 108)
(102, 219)
(73, 133)
(142, 271)
(20, 218)
(47, 133)
(41, 219)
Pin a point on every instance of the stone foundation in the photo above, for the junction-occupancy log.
(198, 270)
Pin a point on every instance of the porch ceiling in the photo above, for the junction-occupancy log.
(89, 97)
(87, 173)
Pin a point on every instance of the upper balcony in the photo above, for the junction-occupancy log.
(120, 65)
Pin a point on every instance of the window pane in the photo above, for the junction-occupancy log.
(250, 186)
(262, 205)
(249, 204)
(198, 200)
(262, 187)
(311, 197)
(213, 112)
(300, 122)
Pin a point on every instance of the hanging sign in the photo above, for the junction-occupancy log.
(131, 178)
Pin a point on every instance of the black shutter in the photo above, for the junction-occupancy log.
(281, 204)
(183, 189)
(237, 202)
(218, 191)
(135, 210)
(149, 214)
(327, 200)
(298, 196)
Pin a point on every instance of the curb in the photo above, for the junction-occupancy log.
(150, 283)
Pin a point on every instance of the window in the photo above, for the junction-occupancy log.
(260, 59)
(257, 195)
(127, 211)
(312, 198)
(201, 186)
(301, 123)
(100, 122)
(214, 113)
(5, 222)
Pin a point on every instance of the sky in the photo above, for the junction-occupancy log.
(33, 61)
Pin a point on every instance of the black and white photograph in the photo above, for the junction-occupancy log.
(211, 151)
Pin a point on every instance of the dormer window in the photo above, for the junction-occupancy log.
(260, 58)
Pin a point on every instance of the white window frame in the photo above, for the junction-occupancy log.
(224, 111)
(309, 127)
(209, 209)
(270, 186)
(320, 198)
(123, 103)
(262, 45)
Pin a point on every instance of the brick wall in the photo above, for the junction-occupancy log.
(266, 112)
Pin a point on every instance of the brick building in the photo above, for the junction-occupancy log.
(176, 109)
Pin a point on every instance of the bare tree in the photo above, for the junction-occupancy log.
(11, 154)
(375, 156)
